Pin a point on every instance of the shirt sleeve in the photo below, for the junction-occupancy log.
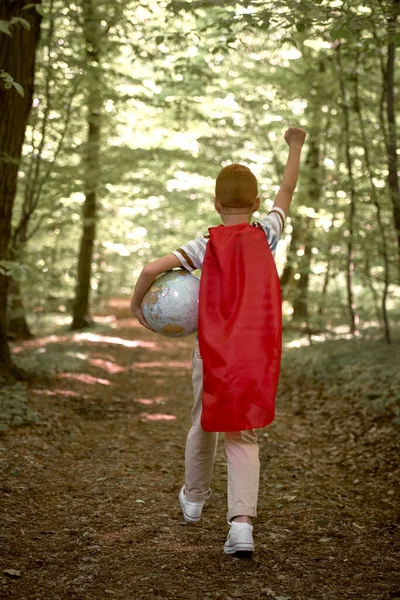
(273, 225)
(191, 255)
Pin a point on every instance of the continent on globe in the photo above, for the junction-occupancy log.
(170, 305)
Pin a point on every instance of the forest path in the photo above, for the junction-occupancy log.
(89, 494)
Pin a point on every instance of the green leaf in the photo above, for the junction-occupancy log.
(25, 24)
(339, 32)
(5, 27)
(11, 268)
(19, 88)
(28, 6)
(39, 10)
(354, 25)
(6, 76)
(8, 85)
(395, 39)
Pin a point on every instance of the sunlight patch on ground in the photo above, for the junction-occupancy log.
(128, 323)
(85, 378)
(56, 393)
(152, 365)
(107, 365)
(147, 401)
(106, 319)
(337, 333)
(298, 343)
(118, 302)
(103, 356)
(95, 337)
(175, 343)
(158, 417)
(40, 342)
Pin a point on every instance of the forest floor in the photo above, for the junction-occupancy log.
(89, 493)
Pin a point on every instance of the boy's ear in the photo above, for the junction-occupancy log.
(217, 205)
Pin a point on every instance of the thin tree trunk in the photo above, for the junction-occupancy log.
(327, 277)
(81, 316)
(324, 291)
(374, 197)
(312, 191)
(17, 57)
(393, 178)
(289, 271)
(370, 285)
(300, 302)
(354, 320)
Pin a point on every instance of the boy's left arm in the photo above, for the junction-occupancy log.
(146, 278)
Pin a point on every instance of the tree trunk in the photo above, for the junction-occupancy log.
(37, 177)
(354, 320)
(17, 57)
(91, 160)
(312, 191)
(17, 327)
(297, 239)
(368, 282)
(393, 178)
(324, 291)
(300, 302)
(375, 199)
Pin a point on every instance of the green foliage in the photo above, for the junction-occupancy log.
(14, 269)
(353, 368)
(21, 21)
(5, 27)
(51, 359)
(9, 82)
(187, 88)
(14, 408)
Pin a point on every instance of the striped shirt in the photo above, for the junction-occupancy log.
(191, 255)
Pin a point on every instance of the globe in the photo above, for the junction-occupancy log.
(170, 305)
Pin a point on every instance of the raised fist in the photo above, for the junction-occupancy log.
(294, 136)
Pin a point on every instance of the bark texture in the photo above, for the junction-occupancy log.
(393, 178)
(81, 314)
(17, 57)
(353, 315)
(313, 187)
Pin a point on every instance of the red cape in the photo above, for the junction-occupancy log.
(240, 329)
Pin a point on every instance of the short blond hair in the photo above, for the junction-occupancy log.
(236, 186)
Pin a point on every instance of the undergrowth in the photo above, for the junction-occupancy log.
(365, 368)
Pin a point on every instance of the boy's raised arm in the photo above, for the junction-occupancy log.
(146, 278)
(294, 137)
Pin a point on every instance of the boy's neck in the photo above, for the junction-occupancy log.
(235, 219)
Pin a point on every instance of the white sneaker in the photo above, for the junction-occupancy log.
(191, 510)
(240, 540)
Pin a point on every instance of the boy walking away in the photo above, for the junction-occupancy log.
(236, 359)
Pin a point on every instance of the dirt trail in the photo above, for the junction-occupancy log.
(89, 494)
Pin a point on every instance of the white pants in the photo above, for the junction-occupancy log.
(241, 452)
